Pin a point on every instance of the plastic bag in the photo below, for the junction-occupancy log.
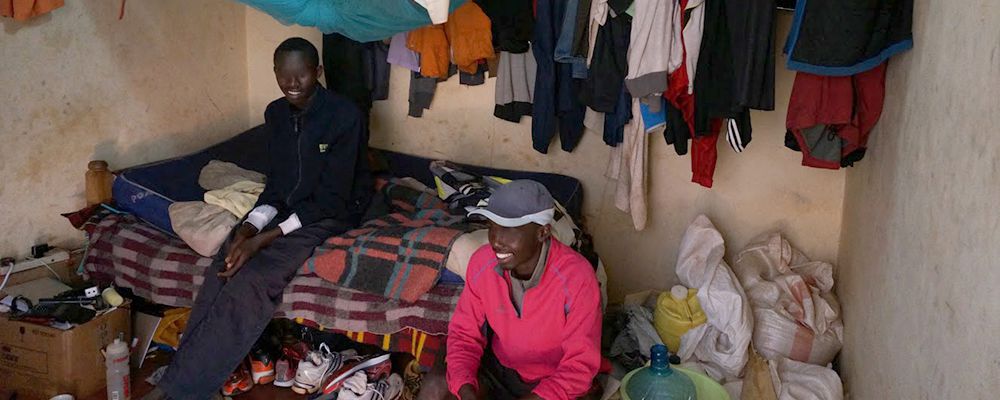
(721, 344)
(796, 313)
(677, 312)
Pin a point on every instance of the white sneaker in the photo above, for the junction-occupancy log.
(387, 389)
(316, 366)
(354, 387)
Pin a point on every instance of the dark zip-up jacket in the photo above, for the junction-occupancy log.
(318, 164)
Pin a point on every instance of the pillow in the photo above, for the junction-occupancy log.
(462, 249)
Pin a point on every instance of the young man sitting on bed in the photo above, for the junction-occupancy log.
(318, 186)
(528, 323)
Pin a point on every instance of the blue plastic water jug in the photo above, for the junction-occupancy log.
(658, 381)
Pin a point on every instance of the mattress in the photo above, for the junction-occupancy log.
(148, 190)
(160, 268)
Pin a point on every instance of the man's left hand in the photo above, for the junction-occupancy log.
(246, 249)
(240, 254)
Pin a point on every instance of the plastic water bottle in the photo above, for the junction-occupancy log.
(116, 361)
(658, 381)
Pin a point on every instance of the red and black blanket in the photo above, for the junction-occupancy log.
(398, 255)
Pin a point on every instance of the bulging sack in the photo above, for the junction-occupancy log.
(796, 314)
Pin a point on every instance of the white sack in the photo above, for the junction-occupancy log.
(722, 343)
(801, 381)
(797, 315)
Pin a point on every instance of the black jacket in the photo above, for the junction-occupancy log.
(318, 164)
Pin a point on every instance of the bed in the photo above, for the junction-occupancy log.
(137, 249)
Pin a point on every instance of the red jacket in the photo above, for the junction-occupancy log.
(555, 342)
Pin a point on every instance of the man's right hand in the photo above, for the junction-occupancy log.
(467, 392)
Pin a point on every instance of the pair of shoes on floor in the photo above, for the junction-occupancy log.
(288, 363)
(262, 365)
(357, 387)
(317, 366)
(375, 368)
(241, 380)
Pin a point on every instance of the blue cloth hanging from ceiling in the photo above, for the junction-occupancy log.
(361, 20)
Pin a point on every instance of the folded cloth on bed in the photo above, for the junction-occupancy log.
(204, 227)
(237, 198)
(399, 255)
(219, 174)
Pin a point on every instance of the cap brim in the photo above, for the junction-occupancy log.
(540, 218)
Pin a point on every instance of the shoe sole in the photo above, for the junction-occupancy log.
(284, 384)
(263, 378)
(302, 390)
(237, 392)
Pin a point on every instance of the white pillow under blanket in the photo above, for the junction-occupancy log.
(465, 245)
(462, 249)
(204, 227)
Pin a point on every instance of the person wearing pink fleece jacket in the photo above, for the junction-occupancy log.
(528, 324)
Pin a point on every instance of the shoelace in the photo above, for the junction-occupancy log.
(379, 388)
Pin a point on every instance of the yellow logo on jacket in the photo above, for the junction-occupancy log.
(323, 147)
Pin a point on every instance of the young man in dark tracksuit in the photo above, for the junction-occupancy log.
(318, 186)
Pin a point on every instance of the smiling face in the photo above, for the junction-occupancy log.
(518, 248)
(297, 77)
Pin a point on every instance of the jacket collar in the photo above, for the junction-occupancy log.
(317, 102)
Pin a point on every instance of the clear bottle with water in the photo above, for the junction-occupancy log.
(658, 381)
(116, 357)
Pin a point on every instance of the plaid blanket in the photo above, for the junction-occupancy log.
(162, 269)
(396, 256)
(156, 266)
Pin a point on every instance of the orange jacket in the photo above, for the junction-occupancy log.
(22, 10)
(466, 34)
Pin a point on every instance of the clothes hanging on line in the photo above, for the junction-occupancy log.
(847, 37)
(473, 79)
(23, 10)
(751, 29)
(515, 85)
(431, 43)
(556, 105)
(358, 71)
(470, 36)
(564, 52)
(401, 55)
(655, 47)
(466, 38)
(602, 88)
(614, 123)
(627, 166)
(422, 91)
(830, 117)
(580, 47)
(512, 23)
(436, 9)
(363, 21)
(680, 100)
(704, 154)
(714, 75)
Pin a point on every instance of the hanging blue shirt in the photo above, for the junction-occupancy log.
(364, 21)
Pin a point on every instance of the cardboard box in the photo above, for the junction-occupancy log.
(39, 362)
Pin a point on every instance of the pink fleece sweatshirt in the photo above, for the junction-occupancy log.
(555, 342)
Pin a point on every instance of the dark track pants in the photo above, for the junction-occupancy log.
(229, 315)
